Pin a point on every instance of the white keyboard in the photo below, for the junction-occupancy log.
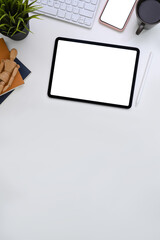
(79, 12)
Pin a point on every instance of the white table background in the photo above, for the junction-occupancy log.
(73, 171)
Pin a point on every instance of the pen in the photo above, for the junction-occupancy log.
(143, 79)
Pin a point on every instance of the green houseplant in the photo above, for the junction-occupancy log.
(14, 17)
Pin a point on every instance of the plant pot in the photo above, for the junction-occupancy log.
(19, 36)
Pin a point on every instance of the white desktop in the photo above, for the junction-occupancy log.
(72, 170)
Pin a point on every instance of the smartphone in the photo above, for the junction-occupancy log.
(116, 13)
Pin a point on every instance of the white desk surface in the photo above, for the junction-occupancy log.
(73, 171)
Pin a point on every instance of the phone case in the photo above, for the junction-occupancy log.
(113, 27)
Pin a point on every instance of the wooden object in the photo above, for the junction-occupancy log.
(16, 79)
(8, 71)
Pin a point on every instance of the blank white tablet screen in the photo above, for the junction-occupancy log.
(93, 72)
(116, 12)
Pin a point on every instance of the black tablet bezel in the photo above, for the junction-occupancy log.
(100, 44)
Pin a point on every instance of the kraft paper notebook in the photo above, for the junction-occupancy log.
(4, 54)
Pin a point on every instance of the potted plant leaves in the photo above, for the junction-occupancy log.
(14, 17)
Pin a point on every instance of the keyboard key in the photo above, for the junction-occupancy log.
(69, 8)
(74, 3)
(50, 10)
(68, 1)
(89, 7)
(50, 3)
(75, 10)
(44, 2)
(68, 15)
(86, 13)
(63, 6)
(81, 20)
(94, 2)
(75, 17)
(56, 4)
(81, 4)
(61, 13)
(87, 21)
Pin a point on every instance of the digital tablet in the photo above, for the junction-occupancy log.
(93, 72)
